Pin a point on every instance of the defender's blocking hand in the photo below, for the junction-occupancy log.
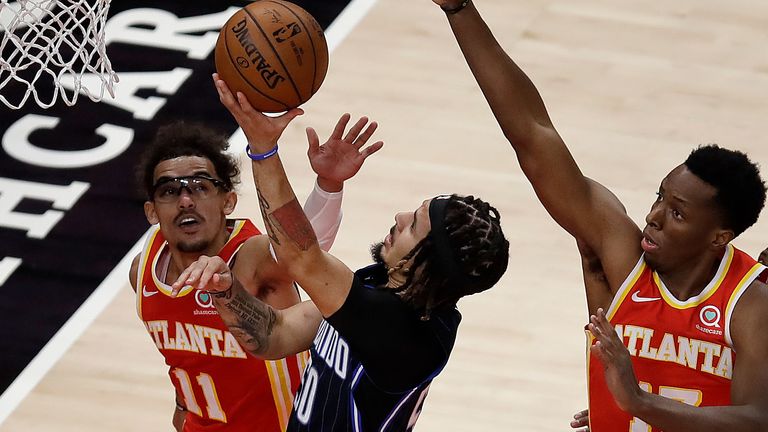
(341, 156)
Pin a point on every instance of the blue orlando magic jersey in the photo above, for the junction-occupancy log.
(372, 362)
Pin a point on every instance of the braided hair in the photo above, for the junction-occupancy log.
(179, 139)
(480, 251)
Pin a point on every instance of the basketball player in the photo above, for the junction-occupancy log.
(378, 336)
(594, 278)
(684, 316)
(189, 180)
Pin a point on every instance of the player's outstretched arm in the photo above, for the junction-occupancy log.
(541, 152)
(326, 279)
(335, 161)
(262, 330)
(748, 411)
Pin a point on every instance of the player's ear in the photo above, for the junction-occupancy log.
(151, 213)
(723, 237)
(230, 202)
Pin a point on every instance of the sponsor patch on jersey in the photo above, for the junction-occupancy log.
(205, 301)
(710, 317)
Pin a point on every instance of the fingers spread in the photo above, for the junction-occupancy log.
(355, 130)
(366, 135)
(373, 148)
(313, 140)
(338, 131)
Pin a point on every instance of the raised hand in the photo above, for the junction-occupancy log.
(261, 131)
(209, 274)
(619, 374)
(341, 156)
(451, 6)
(581, 421)
(447, 4)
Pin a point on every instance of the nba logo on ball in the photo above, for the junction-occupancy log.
(274, 52)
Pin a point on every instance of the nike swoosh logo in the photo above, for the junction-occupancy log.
(637, 299)
(148, 293)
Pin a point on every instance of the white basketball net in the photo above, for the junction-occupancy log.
(51, 48)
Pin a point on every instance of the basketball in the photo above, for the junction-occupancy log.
(274, 52)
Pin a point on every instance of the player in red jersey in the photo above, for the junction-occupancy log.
(189, 180)
(688, 304)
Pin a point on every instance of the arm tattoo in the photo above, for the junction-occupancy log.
(250, 320)
(288, 220)
(292, 222)
(264, 207)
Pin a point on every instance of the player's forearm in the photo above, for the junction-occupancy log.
(513, 98)
(250, 320)
(290, 232)
(672, 416)
(521, 113)
(323, 209)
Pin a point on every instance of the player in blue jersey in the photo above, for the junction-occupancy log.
(378, 336)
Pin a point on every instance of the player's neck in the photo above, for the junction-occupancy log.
(181, 260)
(689, 280)
(395, 279)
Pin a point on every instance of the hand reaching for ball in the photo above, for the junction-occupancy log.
(261, 131)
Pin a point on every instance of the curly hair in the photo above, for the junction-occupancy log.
(480, 250)
(179, 139)
(740, 190)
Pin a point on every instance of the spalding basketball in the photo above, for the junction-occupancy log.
(274, 52)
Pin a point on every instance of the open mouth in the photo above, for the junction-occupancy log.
(187, 222)
(648, 244)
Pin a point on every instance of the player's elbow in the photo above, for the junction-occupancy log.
(297, 262)
(527, 135)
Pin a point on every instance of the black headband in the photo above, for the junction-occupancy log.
(446, 260)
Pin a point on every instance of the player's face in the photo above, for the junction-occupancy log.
(410, 228)
(684, 222)
(190, 204)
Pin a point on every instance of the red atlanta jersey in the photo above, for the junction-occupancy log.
(222, 387)
(679, 349)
